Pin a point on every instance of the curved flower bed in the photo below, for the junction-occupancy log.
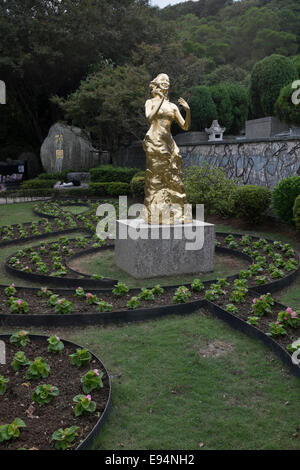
(273, 265)
(61, 394)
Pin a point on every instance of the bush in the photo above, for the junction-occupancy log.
(109, 189)
(137, 185)
(267, 78)
(250, 202)
(283, 198)
(296, 213)
(223, 104)
(110, 173)
(211, 187)
(37, 183)
(52, 176)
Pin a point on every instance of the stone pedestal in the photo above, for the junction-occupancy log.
(147, 251)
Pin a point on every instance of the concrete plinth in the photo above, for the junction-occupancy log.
(147, 251)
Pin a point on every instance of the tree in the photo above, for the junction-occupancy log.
(203, 108)
(239, 106)
(222, 102)
(109, 104)
(267, 78)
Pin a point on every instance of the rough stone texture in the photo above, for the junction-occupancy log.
(78, 152)
(167, 254)
(264, 127)
(132, 156)
(83, 177)
(34, 166)
(262, 162)
(190, 138)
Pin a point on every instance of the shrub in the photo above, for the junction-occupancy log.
(109, 189)
(268, 76)
(137, 186)
(283, 197)
(211, 187)
(250, 202)
(37, 183)
(203, 108)
(296, 213)
(110, 173)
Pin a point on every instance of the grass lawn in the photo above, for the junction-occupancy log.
(181, 381)
(17, 213)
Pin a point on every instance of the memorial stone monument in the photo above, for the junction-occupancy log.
(161, 242)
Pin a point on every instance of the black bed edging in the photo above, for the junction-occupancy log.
(85, 319)
(253, 332)
(20, 241)
(93, 435)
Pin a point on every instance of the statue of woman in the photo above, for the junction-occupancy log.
(163, 186)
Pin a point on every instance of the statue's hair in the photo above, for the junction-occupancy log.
(153, 84)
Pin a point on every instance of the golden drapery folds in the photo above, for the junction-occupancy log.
(165, 195)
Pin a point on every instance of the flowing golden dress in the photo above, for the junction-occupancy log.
(163, 182)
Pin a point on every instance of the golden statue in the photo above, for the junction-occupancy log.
(164, 189)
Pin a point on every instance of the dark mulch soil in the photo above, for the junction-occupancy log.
(42, 421)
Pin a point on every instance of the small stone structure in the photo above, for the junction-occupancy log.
(215, 132)
(146, 251)
(66, 148)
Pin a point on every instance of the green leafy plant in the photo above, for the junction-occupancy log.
(283, 197)
(92, 380)
(3, 382)
(65, 437)
(197, 285)
(44, 394)
(133, 303)
(253, 321)
(211, 295)
(11, 431)
(55, 345)
(53, 300)
(19, 306)
(262, 305)
(81, 357)
(84, 405)
(44, 293)
(103, 306)
(38, 369)
(91, 299)
(146, 294)
(19, 360)
(157, 290)
(80, 293)
(63, 307)
(250, 202)
(276, 329)
(182, 295)
(10, 291)
(120, 289)
(237, 296)
(288, 318)
(20, 339)
(231, 308)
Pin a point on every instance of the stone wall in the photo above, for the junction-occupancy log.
(258, 161)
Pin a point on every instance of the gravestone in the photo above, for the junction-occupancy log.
(66, 148)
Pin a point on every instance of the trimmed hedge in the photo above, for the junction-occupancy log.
(109, 189)
(137, 185)
(283, 197)
(37, 183)
(110, 173)
(250, 202)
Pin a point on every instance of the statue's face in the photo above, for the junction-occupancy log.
(163, 82)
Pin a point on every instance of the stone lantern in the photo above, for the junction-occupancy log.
(215, 132)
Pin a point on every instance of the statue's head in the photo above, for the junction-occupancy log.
(161, 82)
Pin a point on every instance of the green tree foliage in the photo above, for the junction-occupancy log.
(239, 99)
(110, 105)
(222, 101)
(203, 108)
(268, 77)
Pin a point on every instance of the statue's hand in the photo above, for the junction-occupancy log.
(183, 103)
